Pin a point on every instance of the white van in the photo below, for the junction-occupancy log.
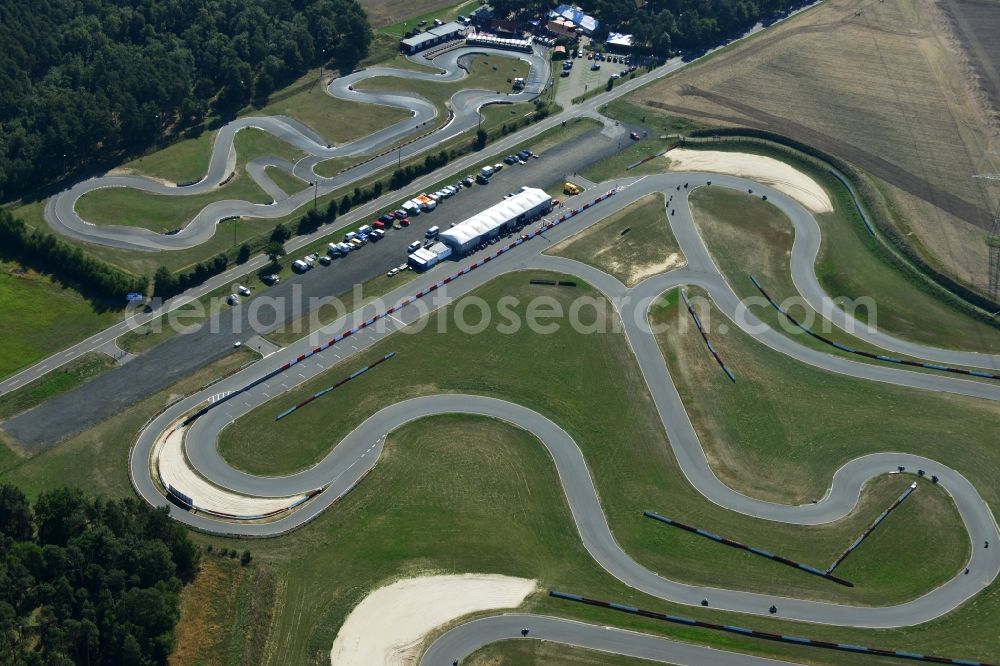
(432, 232)
(487, 171)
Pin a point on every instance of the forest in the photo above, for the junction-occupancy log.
(664, 27)
(86, 580)
(84, 83)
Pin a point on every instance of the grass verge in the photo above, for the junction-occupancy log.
(60, 380)
(632, 244)
(40, 317)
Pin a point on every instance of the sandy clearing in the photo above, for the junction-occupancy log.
(169, 462)
(766, 170)
(126, 171)
(388, 626)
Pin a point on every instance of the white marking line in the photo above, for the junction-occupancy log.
(395, 319)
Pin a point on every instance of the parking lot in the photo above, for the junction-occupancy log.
(582, 78)
(177, 357)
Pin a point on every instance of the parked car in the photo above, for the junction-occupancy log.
(400, 214)
(510, 159)
(364, 229)
(405, 221)
(482, 180)
(378, 224)
(635, 136)
(242, 291)
(325, 260)
(413, 247)
(300, 266)
(233, 299)
(271, 279)
(468, 181)
(377, 235)
(432, 232)
(498, 166)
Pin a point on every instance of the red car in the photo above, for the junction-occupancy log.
(634, 136)
(378, 224)
(405, 221)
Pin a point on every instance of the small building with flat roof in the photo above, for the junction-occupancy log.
(432, 37)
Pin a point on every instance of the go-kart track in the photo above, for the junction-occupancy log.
(60, 211)
(178, 448)
(357, 454)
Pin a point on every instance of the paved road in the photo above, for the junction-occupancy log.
(60, 210)
(463, 640)
(163, 365)
(588, 108)
(358, 453)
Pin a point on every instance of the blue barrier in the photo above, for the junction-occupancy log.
(704, 336)
(879, 357)
(751, 549)
(871, 528)
(764, 635)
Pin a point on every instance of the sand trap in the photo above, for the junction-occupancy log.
(389, 624)
(172, 467)
(766, 170)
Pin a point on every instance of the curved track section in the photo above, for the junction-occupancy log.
(358, 453)
(60, 210)
(463, 640)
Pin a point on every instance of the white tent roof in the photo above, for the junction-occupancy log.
(496, 216)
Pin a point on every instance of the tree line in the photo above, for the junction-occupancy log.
(86, 580)
(68, 263)
(84, 83)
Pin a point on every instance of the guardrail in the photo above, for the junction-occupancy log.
(866, 354)
(765, 635)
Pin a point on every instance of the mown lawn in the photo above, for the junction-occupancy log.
(619, 433)
(337, 121)
(747, 236)
(632, 244)
(286, 181)
(852, 264)
(529, 652)
(39, 317)
(458, 493)
(162, 213)
(96, 460)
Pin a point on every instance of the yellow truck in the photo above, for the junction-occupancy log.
(571, 189)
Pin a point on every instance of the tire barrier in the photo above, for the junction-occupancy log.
(320, 394)
(399, 306)
(871, 528)
(704, 336)
(756, 551)
(877, 357)
(765, 635)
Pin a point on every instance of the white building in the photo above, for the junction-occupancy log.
(527, 205)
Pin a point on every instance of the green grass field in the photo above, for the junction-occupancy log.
(286, 181)
(71, 375)
(528, 652)
(337, 121)
(402, 520)
(485, 72)
(747, 236)
(851, 264)
(97, 459)
(40, 317)
(632, 244)
(160, 212)
(258, 444)
(181, 162)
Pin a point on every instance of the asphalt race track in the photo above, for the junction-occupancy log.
(352, 458)
(60, 211)
(466, 638)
